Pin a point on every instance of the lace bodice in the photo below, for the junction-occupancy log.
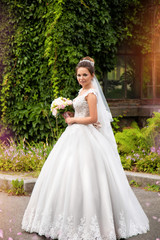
(80, 104)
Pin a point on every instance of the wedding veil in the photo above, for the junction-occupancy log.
(104, 113)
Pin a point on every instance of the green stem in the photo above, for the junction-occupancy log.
(57, 127)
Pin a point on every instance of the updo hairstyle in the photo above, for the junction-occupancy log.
(89, 64)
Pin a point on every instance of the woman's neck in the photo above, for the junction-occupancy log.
(87, 87)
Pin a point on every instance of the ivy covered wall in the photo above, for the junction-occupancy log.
(49, 39)
(26, 89)
(6, 32)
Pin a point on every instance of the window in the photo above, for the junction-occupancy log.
(151, 73)
(124, 81)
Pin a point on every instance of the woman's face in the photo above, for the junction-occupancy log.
(84, 77)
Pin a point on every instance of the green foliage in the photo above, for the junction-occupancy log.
(135, 139)
(141, 162)
(130, 139)
(154, 187)
(49, 39)
(23, 157)
(133, 183)
(115, 125)
(79, 28)
(26, 89)
(145, 26)
(152, 130)
(140, 148)
(6, 31)
(149, 164)
(126, 162)
(17, 188)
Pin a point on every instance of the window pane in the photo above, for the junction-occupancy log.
(133, 77)
(124, 80)
(147, 87)
(115, 86)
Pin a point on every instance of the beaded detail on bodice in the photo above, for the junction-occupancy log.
(80, 104)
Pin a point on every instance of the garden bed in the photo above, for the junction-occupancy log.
(140, 148)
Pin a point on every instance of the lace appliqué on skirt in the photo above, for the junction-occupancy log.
(132, 229)
(65, 230)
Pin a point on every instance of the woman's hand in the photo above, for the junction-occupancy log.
(71, 114)
(67, 114)
(69, 120)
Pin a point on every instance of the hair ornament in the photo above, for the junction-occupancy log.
(86, 60)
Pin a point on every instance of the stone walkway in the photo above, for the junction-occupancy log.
(12, 209)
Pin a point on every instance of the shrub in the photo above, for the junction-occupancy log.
(126, 162)
(115, 123)
(149, 164)
(130, 139)
(17, 188)
(139, 148)
(136, 139)
(23, 157)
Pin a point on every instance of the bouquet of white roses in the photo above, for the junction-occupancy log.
(61, 105)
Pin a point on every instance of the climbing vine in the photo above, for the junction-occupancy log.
(49, 39)
(6, 31)
(79, 28)
(26, 88)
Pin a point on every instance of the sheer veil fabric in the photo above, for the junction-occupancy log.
(104, 113)
(82, 192)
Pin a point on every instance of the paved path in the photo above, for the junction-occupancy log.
(12, 209)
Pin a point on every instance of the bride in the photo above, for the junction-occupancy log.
(82, 192)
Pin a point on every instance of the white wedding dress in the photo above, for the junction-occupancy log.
(82, 192)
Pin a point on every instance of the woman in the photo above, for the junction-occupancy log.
(82, 192)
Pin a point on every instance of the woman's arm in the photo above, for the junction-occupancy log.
(92, 103)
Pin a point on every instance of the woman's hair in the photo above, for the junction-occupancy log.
(88, 63)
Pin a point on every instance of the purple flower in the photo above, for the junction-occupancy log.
(158, 151)
(137, 155)
(153, 149)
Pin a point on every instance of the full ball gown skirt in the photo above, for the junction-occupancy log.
(82, 192)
